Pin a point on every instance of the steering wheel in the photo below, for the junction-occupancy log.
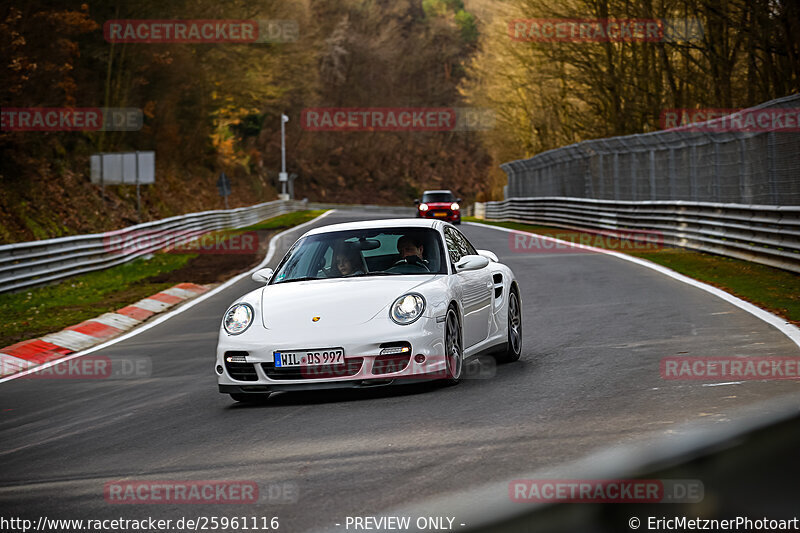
(409, 265)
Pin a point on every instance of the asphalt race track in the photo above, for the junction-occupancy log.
(595, 327)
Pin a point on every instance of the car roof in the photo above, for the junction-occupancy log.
(375, 224)
(439, 191)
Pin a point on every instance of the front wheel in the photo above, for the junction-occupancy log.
(250, 398)
(454, 352)
(514, 342)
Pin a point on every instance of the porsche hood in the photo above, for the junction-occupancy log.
(337, 302)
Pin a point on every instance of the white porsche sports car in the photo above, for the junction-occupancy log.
(369, 303)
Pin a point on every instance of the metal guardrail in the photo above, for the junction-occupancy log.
(747, 468)
(33, 263)
(763, 234)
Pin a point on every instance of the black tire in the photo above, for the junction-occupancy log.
(514, 341)
(250, 398)
(453, 347)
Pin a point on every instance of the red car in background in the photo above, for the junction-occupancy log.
(439, 204)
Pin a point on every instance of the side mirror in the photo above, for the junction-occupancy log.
(488, 255)
(262, 275)
(416, 201)
(472, 262)
(458, 200)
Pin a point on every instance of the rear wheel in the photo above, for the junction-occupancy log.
(454, 352)
(514, 341)
(250, 398)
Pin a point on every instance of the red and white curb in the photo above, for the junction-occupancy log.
(28, 354)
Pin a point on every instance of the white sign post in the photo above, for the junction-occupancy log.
(128, 168)
(283, 177)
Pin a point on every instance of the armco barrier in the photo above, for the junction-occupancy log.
(27, 264)
(747, 467)
(764, 234)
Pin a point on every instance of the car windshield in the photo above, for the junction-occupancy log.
(437, 197)
(363, 252)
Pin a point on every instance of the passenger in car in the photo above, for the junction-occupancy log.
(347, 260)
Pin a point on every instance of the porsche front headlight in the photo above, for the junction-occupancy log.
(407, 308)
(238, 319)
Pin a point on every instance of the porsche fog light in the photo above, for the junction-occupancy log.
(407, 308)
(395, 350)
(238, 319)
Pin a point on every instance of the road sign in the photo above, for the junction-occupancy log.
(123, 168)
(134, 168)
(283, 176)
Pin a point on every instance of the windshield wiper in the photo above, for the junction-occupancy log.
(305, 278)
(376, 273)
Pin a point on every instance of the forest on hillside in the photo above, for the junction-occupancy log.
(710, 54)
(213, 107)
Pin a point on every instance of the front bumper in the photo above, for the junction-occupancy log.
(255, 371)
(441, 214)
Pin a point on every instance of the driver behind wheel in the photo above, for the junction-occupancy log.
(410, 248)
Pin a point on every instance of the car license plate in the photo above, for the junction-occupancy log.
(440, 214)
(328, 356)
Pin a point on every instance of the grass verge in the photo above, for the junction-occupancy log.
(38, 311)
(289, 220)
(773, 289)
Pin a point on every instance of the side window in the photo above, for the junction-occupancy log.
(466, 246)
(454, 248)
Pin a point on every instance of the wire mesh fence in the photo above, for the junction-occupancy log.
(718, 162)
